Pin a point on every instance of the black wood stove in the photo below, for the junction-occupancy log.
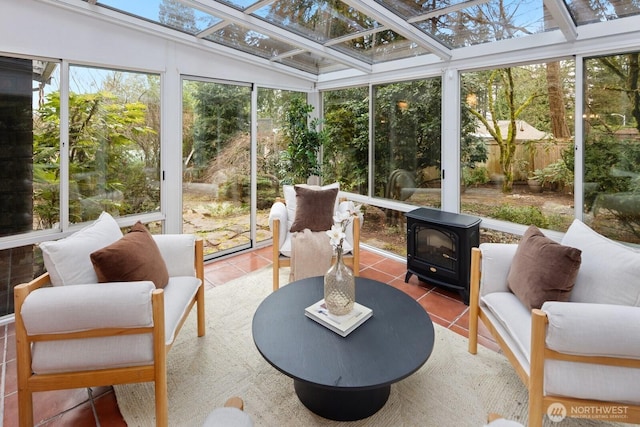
(439, 248)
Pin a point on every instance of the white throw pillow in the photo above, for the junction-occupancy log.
(290, 199)
(610, 271)
(67, 260)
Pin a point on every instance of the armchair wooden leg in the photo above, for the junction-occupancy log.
(234, 402)
(199, 266)
(474, 300)
(536, 375)
(25, 408)
(23, 360)
(200, 311)
(493, 416)
(276, 254)
(276, 276)
(162, 411)
(160, 360)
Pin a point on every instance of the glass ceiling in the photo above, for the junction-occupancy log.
(317, 36)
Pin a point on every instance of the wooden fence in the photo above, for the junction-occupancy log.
(545, 154)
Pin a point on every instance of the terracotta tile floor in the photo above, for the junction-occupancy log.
(77, 408)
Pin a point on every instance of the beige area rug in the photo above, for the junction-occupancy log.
(454, 388)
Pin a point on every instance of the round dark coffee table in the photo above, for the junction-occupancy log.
(348, 378)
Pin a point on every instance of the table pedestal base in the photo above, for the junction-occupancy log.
(341, 405)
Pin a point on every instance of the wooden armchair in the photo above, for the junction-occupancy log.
(578, 358)
(100, 334)
(281, 217)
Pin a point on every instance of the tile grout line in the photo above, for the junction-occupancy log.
(450, 322)
(461, 314)
(428, 292)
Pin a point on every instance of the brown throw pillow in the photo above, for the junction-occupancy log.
(542, 269)
(314, 209)
(132, 258)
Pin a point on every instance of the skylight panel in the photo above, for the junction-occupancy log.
(380, 47)
(317, 20)
(488, 21)
(171, 14)
(250, 41)
(459, 23)
(604, 10)
(411, 8)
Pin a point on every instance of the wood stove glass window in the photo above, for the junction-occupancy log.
(436, 247)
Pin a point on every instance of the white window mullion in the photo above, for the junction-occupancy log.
(171, 148)
(450, 145)
(313, 99)
(253, 233)
(371, 168)
(578, 139)
(64, 146)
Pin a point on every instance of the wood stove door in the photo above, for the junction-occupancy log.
(436, 251)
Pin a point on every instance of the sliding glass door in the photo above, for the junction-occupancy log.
(216, 141)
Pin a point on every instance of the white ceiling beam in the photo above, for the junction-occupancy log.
(212, 29)
(237, 17)
(352, 36)
(288, 54)
(446, 10)
(389, 19)
(257, 6)
(563, 18)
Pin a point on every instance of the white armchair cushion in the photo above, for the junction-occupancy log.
(67, 260)
(106, 305)
(609, 271)
(587, 381)
(177, 294)
(515, 319)
(92, 353)
(593, 329)
(178, 252)
(496, 262)
(279, 211)
(82, 307)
